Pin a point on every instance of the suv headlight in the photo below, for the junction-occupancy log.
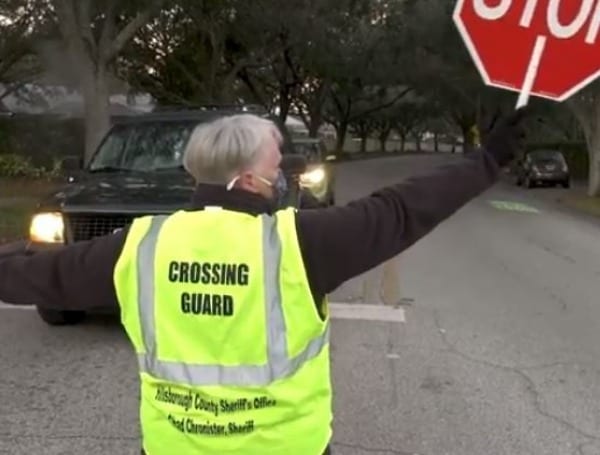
(47, 228)
(313, 177)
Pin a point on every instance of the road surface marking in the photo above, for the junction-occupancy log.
(6, 306)
(355, 311)
(366, 312)
(513, 206)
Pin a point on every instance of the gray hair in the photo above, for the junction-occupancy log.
(219, 150)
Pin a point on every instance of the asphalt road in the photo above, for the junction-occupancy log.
(499, 353)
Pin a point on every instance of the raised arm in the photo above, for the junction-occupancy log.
(340, 243)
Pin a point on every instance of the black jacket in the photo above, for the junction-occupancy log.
(337, 243)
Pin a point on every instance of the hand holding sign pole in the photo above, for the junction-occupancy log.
(545, 48)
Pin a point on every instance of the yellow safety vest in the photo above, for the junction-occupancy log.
(233, 354)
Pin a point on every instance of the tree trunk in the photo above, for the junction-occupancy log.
(284, 103)
(402, 143)
(97, 114)
(593, 143)
(587, 112)
(383, 138)
(464, 129)
(418, 142)
(342, 131)
(363, 143)
(314, 124)
(436, 142)
(316, 112)
(382, 145)
(594, 184)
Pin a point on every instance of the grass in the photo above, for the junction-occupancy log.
(18, 198)
(14, 221)
(584, 203)
(25, 188)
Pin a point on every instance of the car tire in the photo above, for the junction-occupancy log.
(566, 184)
(528, 182)
(61, 317)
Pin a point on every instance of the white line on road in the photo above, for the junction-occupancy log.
(5, 306)
(366, 312)
(355, 311)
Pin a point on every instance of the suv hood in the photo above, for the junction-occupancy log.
(163, 191)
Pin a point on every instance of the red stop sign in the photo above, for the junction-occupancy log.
(548, 48)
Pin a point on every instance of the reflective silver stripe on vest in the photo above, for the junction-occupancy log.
(279, 365)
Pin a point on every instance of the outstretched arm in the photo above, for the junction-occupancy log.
(339, 243)
(76, 277)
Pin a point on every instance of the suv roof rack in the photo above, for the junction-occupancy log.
(256, 108)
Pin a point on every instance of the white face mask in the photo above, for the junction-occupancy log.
(280, 186)
(231, 184)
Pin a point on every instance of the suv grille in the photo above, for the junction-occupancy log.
(88, 226)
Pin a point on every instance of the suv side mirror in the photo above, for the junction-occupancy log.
(72, 163)
(293, 164)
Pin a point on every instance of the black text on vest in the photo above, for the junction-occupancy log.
(209, 273)
(207, 304)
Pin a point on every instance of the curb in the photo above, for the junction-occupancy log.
(357, 156)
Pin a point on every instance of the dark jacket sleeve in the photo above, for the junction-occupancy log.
(76, 277)
(339, 243)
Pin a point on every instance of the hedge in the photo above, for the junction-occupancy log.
(41, 138)
(32, 145)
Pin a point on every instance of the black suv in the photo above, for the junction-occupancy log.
(137, 170)
(543, 167)
(319, 178)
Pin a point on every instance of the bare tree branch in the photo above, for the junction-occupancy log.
(109, 26)
(67, 21)
(84, 19)
(127, 33)
(11, 89)
(381, 106)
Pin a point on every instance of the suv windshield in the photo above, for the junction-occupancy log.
(143, 147)
(312, 151)
(547, 155)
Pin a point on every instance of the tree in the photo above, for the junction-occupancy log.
(554, 122)
(586, 107)
(93, 33)
(321, 54)
(383, 124)
(297, 52)
(407, 116)
(189, 54)
(446, 73)
(367, 74)
(21, 24)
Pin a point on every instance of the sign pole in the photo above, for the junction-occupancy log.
(532, 71)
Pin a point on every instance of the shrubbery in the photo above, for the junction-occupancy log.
(40, 139)
(13, 165)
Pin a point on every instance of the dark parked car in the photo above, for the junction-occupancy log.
(319, 178)
(543, 167)
(135, 171)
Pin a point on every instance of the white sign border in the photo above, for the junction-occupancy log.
(479, 64)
